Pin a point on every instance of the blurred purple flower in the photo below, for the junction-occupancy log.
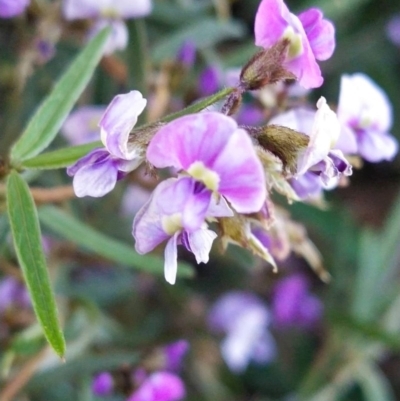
(245, 320)
(97, 173)
(108, 13)
(311, 37)
(250, 114)
(365, 115)
(102, 384)
(187, 54)
(160, 386)
(209, 81)
(393, 29)
(13, 293)
(12, 8)
(293, 305)
(82, 125)
(133, 199)
(175, 212)
(174, 354)
(212, 149)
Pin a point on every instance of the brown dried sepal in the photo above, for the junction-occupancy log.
(284, 143)
(266, 67)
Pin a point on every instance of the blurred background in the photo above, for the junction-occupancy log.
(250, 334)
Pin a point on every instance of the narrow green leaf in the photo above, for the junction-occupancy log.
(27, 242)
(59, 158)
(45, 123)
(75, 231)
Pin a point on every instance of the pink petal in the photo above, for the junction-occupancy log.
(196, 137)
(242, 179)
(271, 22)
(117, 122)
(320, 33)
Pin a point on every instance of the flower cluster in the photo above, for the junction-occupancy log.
(220, 174)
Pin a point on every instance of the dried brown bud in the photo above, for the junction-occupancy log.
(283, 142)
(237, 230)
(266, 67)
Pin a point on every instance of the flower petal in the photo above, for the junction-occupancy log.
(117, 122)
(376, 146)
(132, 9)
(95, 156)
(96, 179)
(78, 9)
(242, 179)
(171, 259)
(200, 242)
(320, 33)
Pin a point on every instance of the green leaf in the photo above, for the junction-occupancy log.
(46, 122)
(28, 246)
(204, 33)
(59, 158)
(73, 230)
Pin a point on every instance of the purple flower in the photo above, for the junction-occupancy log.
(176, 212)
(365, 115)
(209, 80)
(319, 166)
(244, 319)
(13, 294)
(97, 173)
(108, 13)
(174, 354)
(293, 305)
(82, 125)
(311, 37)
(212, 149)
(102, 384)
(12, 8)
(160, 386)
(187, 54)
(393, 29)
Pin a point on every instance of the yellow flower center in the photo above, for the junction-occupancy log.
(172, 223)
(296, 45)
(203, 174)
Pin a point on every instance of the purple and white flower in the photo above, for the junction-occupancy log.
(293, 305)
(176, 212)
(244, 319)
(82, 125)
(212, 149)
(311, 38)
(12, 8)
(108, 13)
(97, 173)
(160, 386)
(321, 165)
(365, 115)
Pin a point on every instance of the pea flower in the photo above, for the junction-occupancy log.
(160, 386)
(97, 173)
(311, 38)
(365, 114)
(321, 165)
(12, 8)
(176, 212)
(245, 320)
(108, 13)
(82, 125)
(212, 149)
(293, 305)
